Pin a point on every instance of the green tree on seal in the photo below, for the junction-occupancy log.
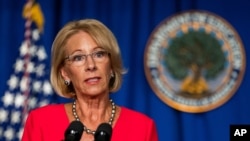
(194, 57)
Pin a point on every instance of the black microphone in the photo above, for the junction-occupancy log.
(74, 131)
(103, 132)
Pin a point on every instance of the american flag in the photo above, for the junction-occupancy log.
(28, 86)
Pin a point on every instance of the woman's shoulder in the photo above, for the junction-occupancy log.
(49, 109)
(134, 125)
(134, 115)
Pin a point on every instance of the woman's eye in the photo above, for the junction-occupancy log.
(99, 54)
(78, 58)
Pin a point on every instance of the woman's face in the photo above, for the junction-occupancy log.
(89, 74)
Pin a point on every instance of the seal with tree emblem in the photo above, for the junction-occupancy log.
(194, 61)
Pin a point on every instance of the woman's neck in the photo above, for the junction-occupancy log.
(92, 112)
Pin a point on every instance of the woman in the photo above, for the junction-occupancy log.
(87, 67)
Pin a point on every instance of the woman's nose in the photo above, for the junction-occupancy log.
(90, 63)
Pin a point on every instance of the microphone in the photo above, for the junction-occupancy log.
(103, 132)
(74, 131)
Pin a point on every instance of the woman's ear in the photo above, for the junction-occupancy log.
(64, 74)
(111, 74)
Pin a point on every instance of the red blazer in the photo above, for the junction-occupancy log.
(49, 123)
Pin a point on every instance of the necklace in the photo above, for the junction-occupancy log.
(89, 131)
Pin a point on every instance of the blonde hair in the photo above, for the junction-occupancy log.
(102, 36)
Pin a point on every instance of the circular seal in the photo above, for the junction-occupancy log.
(194, 61)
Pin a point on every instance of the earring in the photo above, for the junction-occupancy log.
(111, 75)
(66, 82)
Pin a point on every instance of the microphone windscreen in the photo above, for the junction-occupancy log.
(103, 132)
(74, 131)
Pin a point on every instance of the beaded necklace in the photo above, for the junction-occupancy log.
(89, 131)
